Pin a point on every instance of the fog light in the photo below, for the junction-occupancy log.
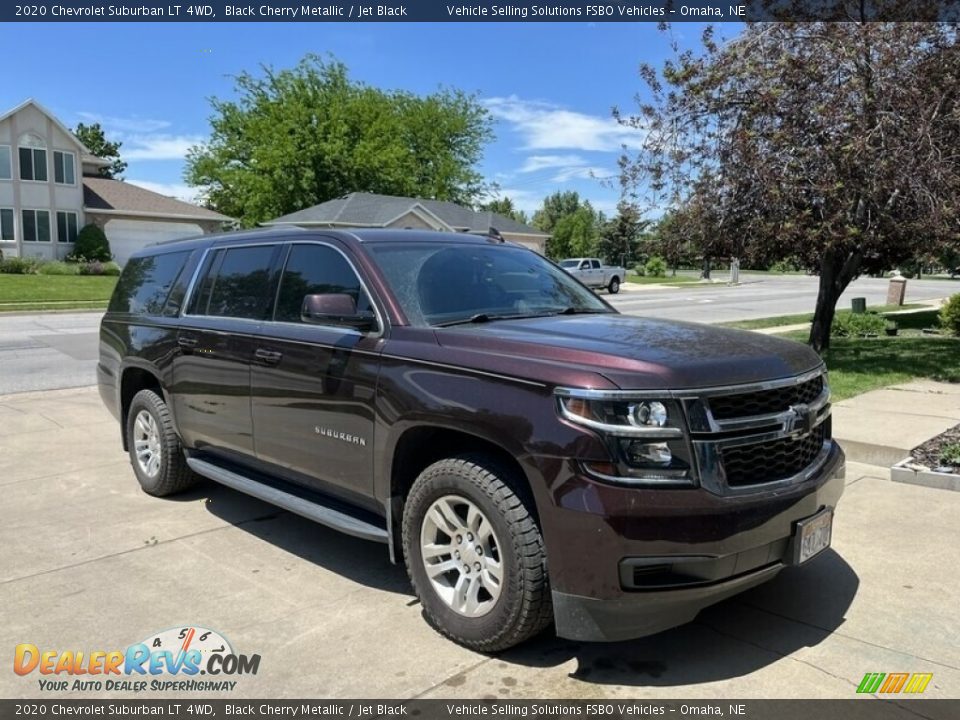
(648, 414)
(641, 453)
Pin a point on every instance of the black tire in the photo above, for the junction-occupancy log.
(173, 474)
(614, 287)
(524, 606)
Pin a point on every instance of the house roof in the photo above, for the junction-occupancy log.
(103, 195)
(370, 210)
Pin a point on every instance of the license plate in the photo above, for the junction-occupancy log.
(812, 536)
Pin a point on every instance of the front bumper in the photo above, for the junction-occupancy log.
(656, 557)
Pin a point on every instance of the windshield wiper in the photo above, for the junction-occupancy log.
(579, 311)
(478, 318)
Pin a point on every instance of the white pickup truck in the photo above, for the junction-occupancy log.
(592, 273)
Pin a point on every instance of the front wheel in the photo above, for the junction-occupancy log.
(614, 287)
(475, 555)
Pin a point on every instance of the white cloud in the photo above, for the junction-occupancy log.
(546, 126)
(157, 147)
(132, 124)
(580, 173)
(174, 190)
(543, 162)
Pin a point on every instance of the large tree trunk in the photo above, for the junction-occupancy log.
(837, 269)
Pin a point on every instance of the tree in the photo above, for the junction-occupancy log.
(619, 239)
(93, 137)
(297, 137)
(832, 143)
(92, 245)
(504, 206)
(574, 235)
(555, 207)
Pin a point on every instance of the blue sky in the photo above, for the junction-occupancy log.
(550, 87)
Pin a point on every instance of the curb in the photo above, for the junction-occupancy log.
(925, 478)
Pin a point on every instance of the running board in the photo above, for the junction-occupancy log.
(288, 501)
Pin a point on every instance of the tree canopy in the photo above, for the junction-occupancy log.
(573, 224)
(297, 137)
(504, 206)
(837, 144)
(95, 140)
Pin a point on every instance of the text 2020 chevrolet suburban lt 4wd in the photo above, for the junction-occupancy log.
(529, 453)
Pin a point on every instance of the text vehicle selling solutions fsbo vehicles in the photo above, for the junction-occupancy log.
(529, 453)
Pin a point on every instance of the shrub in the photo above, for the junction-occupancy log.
(857, 324)
(111, 268)
(19, 266)
(91, 245)
(57, 267)
(950, 314)
(639, 269)
(950, 454)
(656, 267)
(783, 266)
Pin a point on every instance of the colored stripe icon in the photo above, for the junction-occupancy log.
(894, 682)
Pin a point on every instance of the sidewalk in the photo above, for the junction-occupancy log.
(881, 427)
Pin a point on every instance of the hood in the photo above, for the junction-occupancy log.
(638, 353)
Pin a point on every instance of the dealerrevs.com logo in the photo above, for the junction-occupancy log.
(172, 660)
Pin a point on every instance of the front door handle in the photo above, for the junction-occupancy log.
(270, 357)
(187, 343)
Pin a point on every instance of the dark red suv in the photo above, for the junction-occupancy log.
(532, 455)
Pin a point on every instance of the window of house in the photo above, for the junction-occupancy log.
(6, 224)
(237, 283)
(66, 227)
(36, 226)
(6, 171)
(63, 168)
(316, 269)
(33, 164)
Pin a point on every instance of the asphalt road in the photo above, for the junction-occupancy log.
(92, 563)
(47, 351)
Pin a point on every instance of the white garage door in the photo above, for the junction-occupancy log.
(128, 236)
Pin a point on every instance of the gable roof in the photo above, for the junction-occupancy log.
(103, 195)
(87, 155)
(371, 210)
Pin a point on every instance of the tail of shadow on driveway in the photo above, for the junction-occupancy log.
(799, 608)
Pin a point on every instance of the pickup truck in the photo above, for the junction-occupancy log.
(531, 455)
(594, 274)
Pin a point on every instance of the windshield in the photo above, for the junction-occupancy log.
(569, 263)
(439, 284)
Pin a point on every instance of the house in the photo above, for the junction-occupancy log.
(387, 211)
(50, 188)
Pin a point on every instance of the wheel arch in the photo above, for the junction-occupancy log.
(133, 379)
(419, 446)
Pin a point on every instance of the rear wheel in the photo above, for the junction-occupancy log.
(614, 287)
(475, 555)
(154, 447)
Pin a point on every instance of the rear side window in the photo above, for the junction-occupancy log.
(236, 283)
(145, 283)
(312, 270)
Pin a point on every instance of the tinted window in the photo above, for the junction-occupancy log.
(146, 282)
(441, 284)
(240, 283)
(312, 270)
(594, 263)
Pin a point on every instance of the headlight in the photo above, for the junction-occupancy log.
(647, 439)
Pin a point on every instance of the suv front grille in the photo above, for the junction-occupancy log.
(774, 460)
(765, 402)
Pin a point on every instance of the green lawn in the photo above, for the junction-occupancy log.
(857, 365)
(780, 320)
(48, 292)
(668, 280)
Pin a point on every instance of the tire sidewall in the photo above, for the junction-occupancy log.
(141, 402)
(508, 604)
(614, 286)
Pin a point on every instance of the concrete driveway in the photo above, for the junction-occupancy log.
(91, 563)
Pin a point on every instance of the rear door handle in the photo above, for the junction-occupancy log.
(187, 342)
(270, 357)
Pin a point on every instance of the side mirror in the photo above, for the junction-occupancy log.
(336, 309)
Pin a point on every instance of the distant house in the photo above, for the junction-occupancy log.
(50, 188)
(387, 211)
